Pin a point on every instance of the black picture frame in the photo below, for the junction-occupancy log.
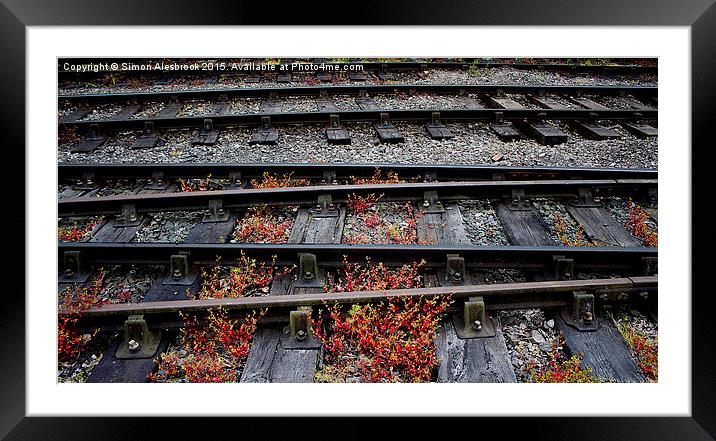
(16, 15)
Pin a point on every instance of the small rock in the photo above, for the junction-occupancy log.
(497, 157)
(537, 337)
(550, 323)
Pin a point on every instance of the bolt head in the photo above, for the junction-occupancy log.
(301, 335)
(426, 204)
(587, 316)
(133, 345)
(177, 273)
(477, 325)
(308, 275)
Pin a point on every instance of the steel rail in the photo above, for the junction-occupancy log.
(365, 116)
(72, 171)
(355, 89)
(447, 191)
(554, 291)
(631, 260)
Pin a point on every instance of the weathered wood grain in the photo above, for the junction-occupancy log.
(212, 232)
(268, 360)
(523, 227)
(112, 370)
(601, 227)
(605, 351)
(481, 360)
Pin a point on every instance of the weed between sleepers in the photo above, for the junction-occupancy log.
(391, 341)
(260, 225)
(639, 226)
(75, 232)
(279, 181)
(245, 278)
(561, 230)
(375, 226)
(645, 349)
(75, 300)
(191, 185)
(212, 353)
(377, 178)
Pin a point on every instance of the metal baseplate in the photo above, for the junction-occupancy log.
(216, 212)
(432, 204)
(298, 334)
(325, 207)
(148, 139)
(518, 202)
(581, 314)
(179, 271)
(74, 270)
(129, 217)
(207, 135)
(139, 341)
(455, 269)
(309, 274)
(474, 322)
(585, 199)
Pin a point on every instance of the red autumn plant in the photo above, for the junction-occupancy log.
(392, 341)
(561, 228)
(565, 371)
(375, 277)
(76, 233)
(191, 185)
(72, 303)
(246, 278)
(212, 353)
(639, 226)
(377, 178)
(645, 349)
(361, 204)
(68, 135)
(279, 181)
(261, 226)
(383, 232)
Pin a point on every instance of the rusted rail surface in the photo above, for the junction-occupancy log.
(447, 191)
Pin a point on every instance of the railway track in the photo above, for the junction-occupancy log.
(556, 270)
(559, 239)
(498, 105)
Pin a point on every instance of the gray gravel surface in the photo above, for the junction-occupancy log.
(474, 143)
(481, 223)
(529, 336)
(171, 227)
(551, 210)
(102, 111)
(149, 110)
(388, 215)
(127, 284)
(619, 209)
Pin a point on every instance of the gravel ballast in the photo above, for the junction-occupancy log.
(474, 143)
